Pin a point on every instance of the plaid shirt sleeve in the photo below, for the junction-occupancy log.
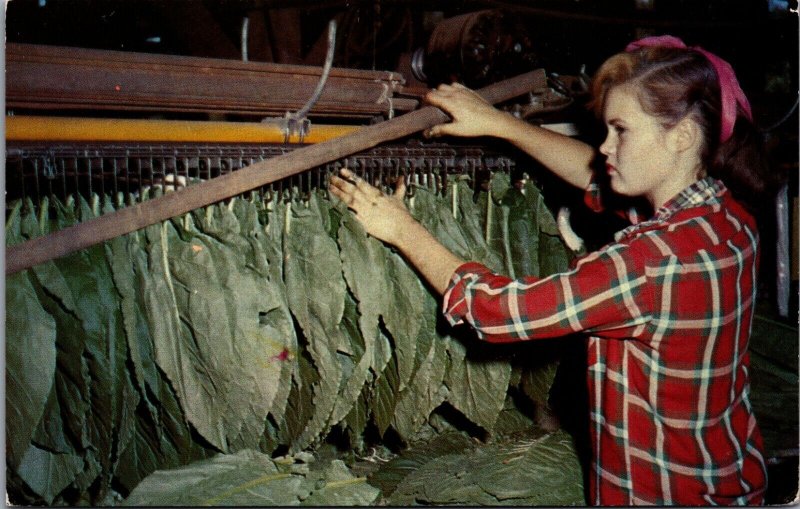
(606, 294)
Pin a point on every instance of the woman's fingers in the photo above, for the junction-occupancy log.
(471, 114)
(353, 190)
(381, 215)
(400, 188)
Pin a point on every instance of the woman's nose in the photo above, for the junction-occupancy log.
(605, 148)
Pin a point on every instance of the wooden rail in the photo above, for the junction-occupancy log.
(63, 78)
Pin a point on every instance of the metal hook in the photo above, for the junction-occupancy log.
(297, 123)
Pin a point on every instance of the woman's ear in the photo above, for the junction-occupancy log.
(686, 135)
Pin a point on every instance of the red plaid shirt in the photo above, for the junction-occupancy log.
(667, 308)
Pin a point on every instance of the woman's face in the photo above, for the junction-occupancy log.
(639, 159)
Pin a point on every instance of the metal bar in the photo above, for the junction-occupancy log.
(53, 77)
(129, 219)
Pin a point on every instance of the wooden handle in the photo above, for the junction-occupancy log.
(126, 220)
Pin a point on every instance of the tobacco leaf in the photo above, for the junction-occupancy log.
(313, 270)
(336, 486)
(230, 344)
(30, 340)
(426, 390)
(554, 256)
(298, 412)
(100, 334)
(356, 421)
(527, 470)
(494, 220)
(383, 398)
(477, 385)
(161, 435)
(539, 471)
(438, 219)
(363, 263)
(469, 218)
(390, 475)
(523, 234)
(48, 473)
(245, 478)
(128, 263)
(273, 214)
(402, 317)
(251, 478)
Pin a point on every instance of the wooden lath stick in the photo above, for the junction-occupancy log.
(126, 220)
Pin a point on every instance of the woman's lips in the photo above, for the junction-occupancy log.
(610, 169)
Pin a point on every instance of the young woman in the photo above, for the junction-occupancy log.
(666, 308)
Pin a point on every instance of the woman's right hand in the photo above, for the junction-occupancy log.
(383, 216)
(471, 114)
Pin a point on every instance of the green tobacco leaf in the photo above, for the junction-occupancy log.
(247, 478)
(251, 478)
(494, 218)
(554, 256)
(469, 218)
(384, 396)
(313, 271)
(30, 355)
(426, 390)
(523, 233)
(46, 473)
(230, 344)
(522, 471)
(298, 412)
(437, 217)
(97, 305)
(336, 486)
(271, 243)
(128, 262)
(541, 471)
(403, 316)
(477, 386)
(356, 421)
(390, 475)
(30, 340)
(364, 267)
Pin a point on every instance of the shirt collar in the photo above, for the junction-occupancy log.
(705, 191)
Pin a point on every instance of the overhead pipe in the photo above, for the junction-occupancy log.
(41, 128)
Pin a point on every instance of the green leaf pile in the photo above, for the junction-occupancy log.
(247, 329)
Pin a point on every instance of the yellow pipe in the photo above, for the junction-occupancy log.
(39, 128)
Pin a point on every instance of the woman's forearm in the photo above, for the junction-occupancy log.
(431, 259)
(567, 157)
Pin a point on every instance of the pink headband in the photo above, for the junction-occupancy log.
(731, 92)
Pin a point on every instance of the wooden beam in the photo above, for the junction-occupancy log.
(62, 78)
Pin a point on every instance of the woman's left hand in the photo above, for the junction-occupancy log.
(382, 216)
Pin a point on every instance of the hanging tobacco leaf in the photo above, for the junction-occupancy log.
(271, 242)
(313, 271)
(30, 356)
(469, 218)
(364, 268)
(426, 390)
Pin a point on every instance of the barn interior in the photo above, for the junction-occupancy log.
(191, 320)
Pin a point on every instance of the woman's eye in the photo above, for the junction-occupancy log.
(619, 129)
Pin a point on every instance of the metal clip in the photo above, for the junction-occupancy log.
(296, 124)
